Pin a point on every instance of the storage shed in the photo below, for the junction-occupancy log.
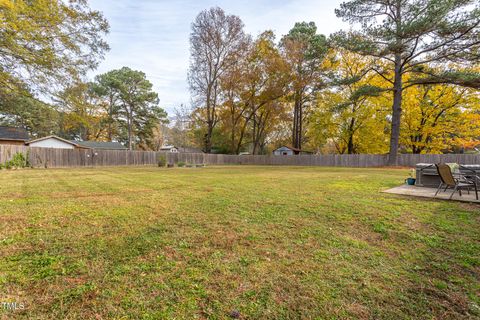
(288, 151)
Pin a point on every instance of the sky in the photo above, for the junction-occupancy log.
(153, 35)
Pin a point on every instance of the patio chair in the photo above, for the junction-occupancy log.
(457, 184)
(470, 173)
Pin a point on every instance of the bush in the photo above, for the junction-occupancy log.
(181, 164)
(162, 161)
(19, 160)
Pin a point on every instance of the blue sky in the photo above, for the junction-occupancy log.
(153, 35)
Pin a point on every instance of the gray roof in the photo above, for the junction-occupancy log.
(13, 133)
(101, 145)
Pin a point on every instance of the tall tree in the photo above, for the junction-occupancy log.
(179, 133)
(349, 121)
(412, 36)
(23, 110)
(264, 122)
(47, 44)
(438, 118)
(217, 40)
(106, 86)
(304, 50)
(82, 114)
(251, 88)
(136, 105)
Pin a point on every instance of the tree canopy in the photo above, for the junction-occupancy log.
(404, 78)
(48, 44)
(431, 41)
(132, 104)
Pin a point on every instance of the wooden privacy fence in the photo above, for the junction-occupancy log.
(337, 160)
(62, 158)
(58, 158)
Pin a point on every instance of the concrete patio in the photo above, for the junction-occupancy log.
(423, 192)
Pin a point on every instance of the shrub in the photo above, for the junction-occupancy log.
(181, 164)
(162, 161)
(19, 160)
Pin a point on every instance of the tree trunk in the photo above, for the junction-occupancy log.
(296, 131)
(232, 137)
(110, 119)
(300, 126)
(351, 132)
(129, 133)
(254, 134)
(397, 90)
(208, 139)
(396, 111)
(350, 146)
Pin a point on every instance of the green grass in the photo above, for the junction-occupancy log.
(262, 242)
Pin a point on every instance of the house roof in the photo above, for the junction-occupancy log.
(51, 137)
(101, 145)
(168, 147)
(13, 133)
(85, 144)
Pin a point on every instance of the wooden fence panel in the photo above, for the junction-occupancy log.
(58, 158)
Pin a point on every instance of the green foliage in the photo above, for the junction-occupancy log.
(49, 41)
(132, 104)
(314, 46)
(418, 42)
(83, 114)
(19, 160)
(162, 160)
(23, 110)
(45, 46)
(367, 90)
(181, 164)
(304, 51)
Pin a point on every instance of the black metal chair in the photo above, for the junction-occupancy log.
(457, 184)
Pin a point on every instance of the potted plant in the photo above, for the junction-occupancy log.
(411, 180)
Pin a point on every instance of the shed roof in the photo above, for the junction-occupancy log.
(168, 147)
(13, 133)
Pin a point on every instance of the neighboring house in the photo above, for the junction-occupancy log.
(53, 142)
(169, 149)
(100, 145)
(59, 143)
(13, 135)
(289, 151)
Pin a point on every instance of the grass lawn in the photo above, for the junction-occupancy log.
(223, 242)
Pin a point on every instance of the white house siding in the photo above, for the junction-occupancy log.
(283, 151)
(51, 143)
